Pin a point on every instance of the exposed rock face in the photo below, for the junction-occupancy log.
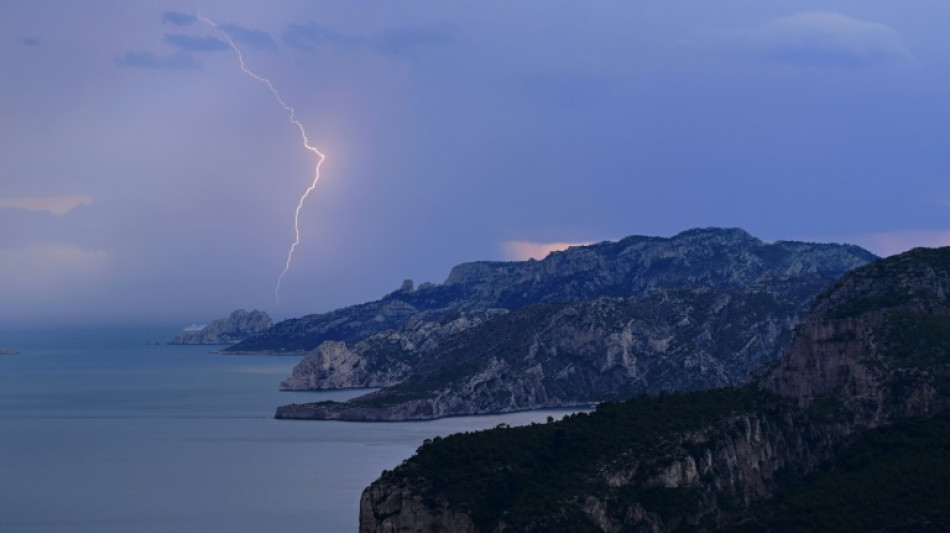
(712, 257)
(874, 349)
(560, 355)
(237, 327)
(876, 341)
(380, 360)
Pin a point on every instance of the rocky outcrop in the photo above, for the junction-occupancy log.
(877, 341)
(561, 355)
(380, 360)
(712, 257)
(238, 326)
(874, 349)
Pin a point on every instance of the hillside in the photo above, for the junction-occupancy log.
(707, 307)
(873, 351)
(710, 257)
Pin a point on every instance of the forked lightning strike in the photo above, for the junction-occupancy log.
(303, 134)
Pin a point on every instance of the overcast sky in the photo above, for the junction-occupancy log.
(144, 176)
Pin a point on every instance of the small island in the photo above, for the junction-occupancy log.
(8, 351)
(236, 328)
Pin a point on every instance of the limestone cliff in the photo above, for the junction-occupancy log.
(559, 355)
(238, 326)
(380, 360)
(875, 349)
(710, 257)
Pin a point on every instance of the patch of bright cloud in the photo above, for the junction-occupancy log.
(895, 242)
(29, 41)
(57, 205)
(821, 38)
(524, 250)
(195, 44)
(257, 39)
(178, 19)
(179, 61)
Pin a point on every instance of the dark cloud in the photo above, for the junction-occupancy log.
(178, 19)
(195, 44)
(257, 39)
(178, 61)
(309, 37)
(405, 41)
(395, 41)
(29, 41)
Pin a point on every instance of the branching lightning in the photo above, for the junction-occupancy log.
(303, 134)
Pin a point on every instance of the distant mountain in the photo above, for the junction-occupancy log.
(699, 310)
(711, 257)
(380, 360)
(238, 326)
(847, 431)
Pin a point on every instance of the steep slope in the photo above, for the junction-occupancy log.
(380, 360)
(711, 257)
(875, 349)
(557, 355)
(238, 326)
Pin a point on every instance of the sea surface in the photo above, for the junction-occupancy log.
(111, 430)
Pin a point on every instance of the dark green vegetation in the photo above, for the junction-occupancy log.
(892, 479)
(848, 431)
(524, 476)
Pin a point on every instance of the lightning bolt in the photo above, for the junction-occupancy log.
(291, 117)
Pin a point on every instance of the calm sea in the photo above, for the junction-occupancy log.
(102, 430)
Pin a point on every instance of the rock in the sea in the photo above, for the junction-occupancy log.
(8, 351)
(237, 327)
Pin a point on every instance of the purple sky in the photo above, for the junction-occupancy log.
(144, 177)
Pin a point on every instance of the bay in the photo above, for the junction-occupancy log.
(109, 429)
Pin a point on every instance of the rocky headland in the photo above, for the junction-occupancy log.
(865, 375)
(238, 326)
(381, 360)
(698, 310)
(709, 257)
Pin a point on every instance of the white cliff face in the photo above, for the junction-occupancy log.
(562, 355)
(381, 360)
(238, 326)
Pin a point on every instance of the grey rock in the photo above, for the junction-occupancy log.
(634, 266)
(380, 360)
(563, 355)
(873, 350)
(238, 326)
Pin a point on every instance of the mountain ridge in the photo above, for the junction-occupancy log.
(628, 267)
(873, 353)
(698, 310)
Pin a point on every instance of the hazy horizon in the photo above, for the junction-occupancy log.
(145, 179)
